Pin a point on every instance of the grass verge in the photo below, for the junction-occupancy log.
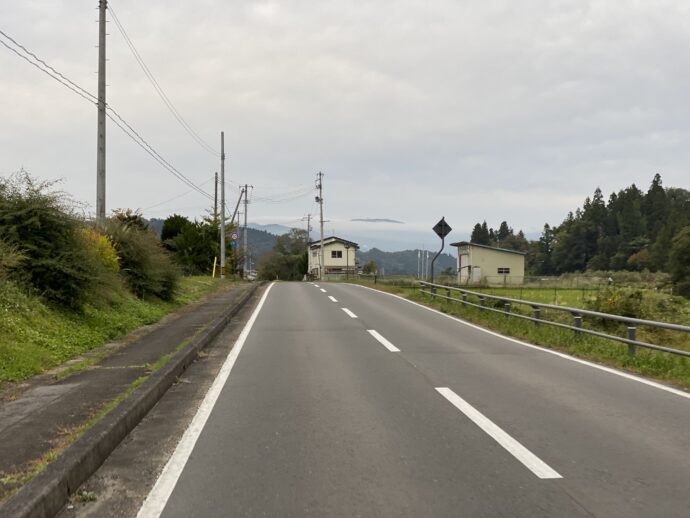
(661, 366)
(35, 336)
(11, 482)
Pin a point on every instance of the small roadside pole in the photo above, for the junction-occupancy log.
(442, 229)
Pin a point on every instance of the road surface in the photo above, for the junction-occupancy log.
(341, 401)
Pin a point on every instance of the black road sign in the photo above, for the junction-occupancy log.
(442, 228)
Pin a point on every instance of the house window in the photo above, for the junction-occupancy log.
(336, 254)
(503, 271)
(315, 253)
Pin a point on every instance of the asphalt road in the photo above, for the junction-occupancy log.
(424, 417)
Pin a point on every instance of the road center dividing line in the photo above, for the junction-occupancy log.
(158, 497)
(383, 341)
(316, 286)
(332, 298)
(323, 290)
(517, 450)
(350, 313)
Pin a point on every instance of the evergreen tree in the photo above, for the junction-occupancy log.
(480, 234)
(655, 207)
(679, 265)
(503, 231)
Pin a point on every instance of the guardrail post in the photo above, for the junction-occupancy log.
(464, 296)
(578, 324)
(448, 295)
(537, 314)
(506, 308)
(481, 302)
(433, 292)
(632, 333)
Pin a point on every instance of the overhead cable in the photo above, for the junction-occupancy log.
(159, 90)
(117, 119)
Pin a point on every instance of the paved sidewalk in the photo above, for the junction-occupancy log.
(45, 414)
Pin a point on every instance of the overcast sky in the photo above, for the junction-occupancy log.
(413, 109)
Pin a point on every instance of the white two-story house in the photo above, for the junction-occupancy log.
(340, 258)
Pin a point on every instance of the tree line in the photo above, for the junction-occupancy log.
(632, 230)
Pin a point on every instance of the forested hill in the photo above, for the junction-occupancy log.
(632, 230)
(403, 262)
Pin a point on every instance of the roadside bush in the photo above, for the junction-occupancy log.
(101, 247)
(144, 264)
(10, 257)
(640, 303)
(39, 223)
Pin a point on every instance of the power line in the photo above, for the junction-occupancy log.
(159, 90)
(286, 196)
(177, 197)
(123, 124)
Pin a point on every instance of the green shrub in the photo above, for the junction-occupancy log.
(679, 263)
(10, 257)
(100, 246)
(40, 224)
(144, 264)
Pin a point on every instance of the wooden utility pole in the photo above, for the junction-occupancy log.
(100, 145)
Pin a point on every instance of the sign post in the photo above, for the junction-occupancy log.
(442, 229)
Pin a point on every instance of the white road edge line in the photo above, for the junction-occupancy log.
(350, 313)
(517, 450)
(565, 356)
(323, 290)
(332, 298)
(158, 497)
(383, 341)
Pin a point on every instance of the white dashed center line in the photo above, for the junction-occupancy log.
(383, 341)
(517, 450)
(323, 290)
(332, 298)
(350, 313)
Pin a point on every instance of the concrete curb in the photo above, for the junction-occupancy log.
(48, 492)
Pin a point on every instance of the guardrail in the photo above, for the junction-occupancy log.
(631, 323)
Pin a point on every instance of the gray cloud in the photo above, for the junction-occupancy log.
(493, 110)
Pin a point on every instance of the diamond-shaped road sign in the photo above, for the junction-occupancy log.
(442, 228)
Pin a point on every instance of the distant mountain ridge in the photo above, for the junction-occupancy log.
(404, 262)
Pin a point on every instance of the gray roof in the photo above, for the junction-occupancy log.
(467, 243)
(331, 239)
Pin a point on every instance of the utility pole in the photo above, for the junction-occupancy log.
(244, 239)
(419, 264)
(222, 205)
(308, 227)
(308, 220)
(215, 200)
(100, 145)
(319, 185)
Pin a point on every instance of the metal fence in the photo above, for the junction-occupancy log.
(577, 314)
